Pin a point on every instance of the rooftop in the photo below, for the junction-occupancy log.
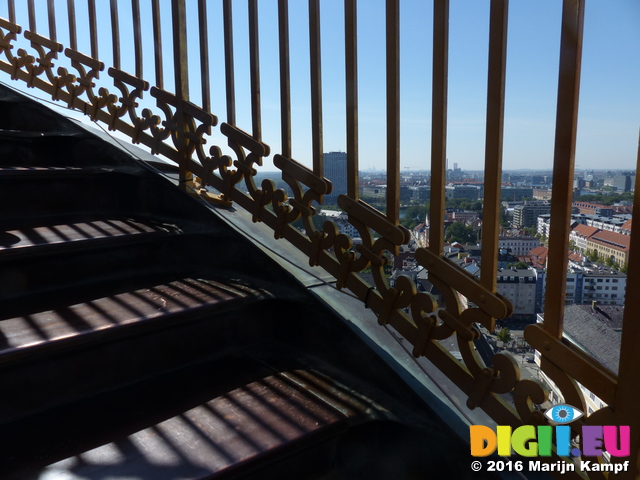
(585, 328)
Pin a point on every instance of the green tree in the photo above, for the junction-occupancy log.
(414, 215)
(504, 335)
(459, 232)
(518, 265)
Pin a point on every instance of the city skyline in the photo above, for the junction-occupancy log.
(608, 120)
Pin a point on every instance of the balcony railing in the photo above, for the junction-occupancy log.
(181, 130)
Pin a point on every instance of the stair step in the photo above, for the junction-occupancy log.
(43, 192)
(29, 195)
(53, 272)
(94, 346)
(78, 231)
(109, 313)
(259, 423)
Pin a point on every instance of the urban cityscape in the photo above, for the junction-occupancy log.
(597, 260)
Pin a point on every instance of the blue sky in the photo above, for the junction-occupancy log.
(609, 115)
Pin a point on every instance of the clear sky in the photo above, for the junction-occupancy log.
(609, 115)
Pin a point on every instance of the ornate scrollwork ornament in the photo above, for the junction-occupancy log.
(44, 60)
(7, 39)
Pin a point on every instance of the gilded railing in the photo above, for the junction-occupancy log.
(179, 130)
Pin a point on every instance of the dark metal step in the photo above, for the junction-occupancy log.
(77, 231)
(60, 356)
(70, 270)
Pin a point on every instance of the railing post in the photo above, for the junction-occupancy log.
(181, 72)
(351, 71)
(628, 391)
(493, 144)
(563, 163)
(316, 87)
(393, 110)
(439, 124)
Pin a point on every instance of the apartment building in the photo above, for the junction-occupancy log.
(610, 245)
(518, 246)
(518, 285)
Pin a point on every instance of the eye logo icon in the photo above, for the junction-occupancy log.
(563, 413)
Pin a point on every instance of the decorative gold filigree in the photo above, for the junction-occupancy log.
(84, 83)
(45, 58)
(188, 126)
(128, 101)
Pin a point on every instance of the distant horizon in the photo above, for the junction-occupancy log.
(608, 115)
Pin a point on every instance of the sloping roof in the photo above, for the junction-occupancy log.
(575, 256)
(583, 327)
(538, 256)
(539, 252)
(612, 239)
(585, 230)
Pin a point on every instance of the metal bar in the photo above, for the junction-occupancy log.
(228, 62)
(316, 87)
(351, 71)
(157, 43)
(71, 10)
(628, 391)
(439, 124)
(32, 16)
(137, 36)
(204, 55)
(115, 34)
(393, 110)
(563, 162)
(11, 5)
(181, 72)
(285, 78)
(254, 65)
(180, 60)
(493, 143)
(93, 28)
(51, 12)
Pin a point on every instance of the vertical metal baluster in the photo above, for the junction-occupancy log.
(563, 163)
(157, 43)
(11, 5)
(439, 124)
(254, 63)
(493, 144)
(351, 71)
(71, 10)
(51, 11)
(32, 16)
(393, 110)
(93, 28)
(285, 77)
(181, 72)
(228, 62)
(137, 36)
(115, 34)
(204, 55)
(628, 391)
(316, 88)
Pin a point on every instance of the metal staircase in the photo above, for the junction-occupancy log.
(141, 336)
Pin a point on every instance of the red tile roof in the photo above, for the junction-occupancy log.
(539, 252)
(585, 230)
(612, 239)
